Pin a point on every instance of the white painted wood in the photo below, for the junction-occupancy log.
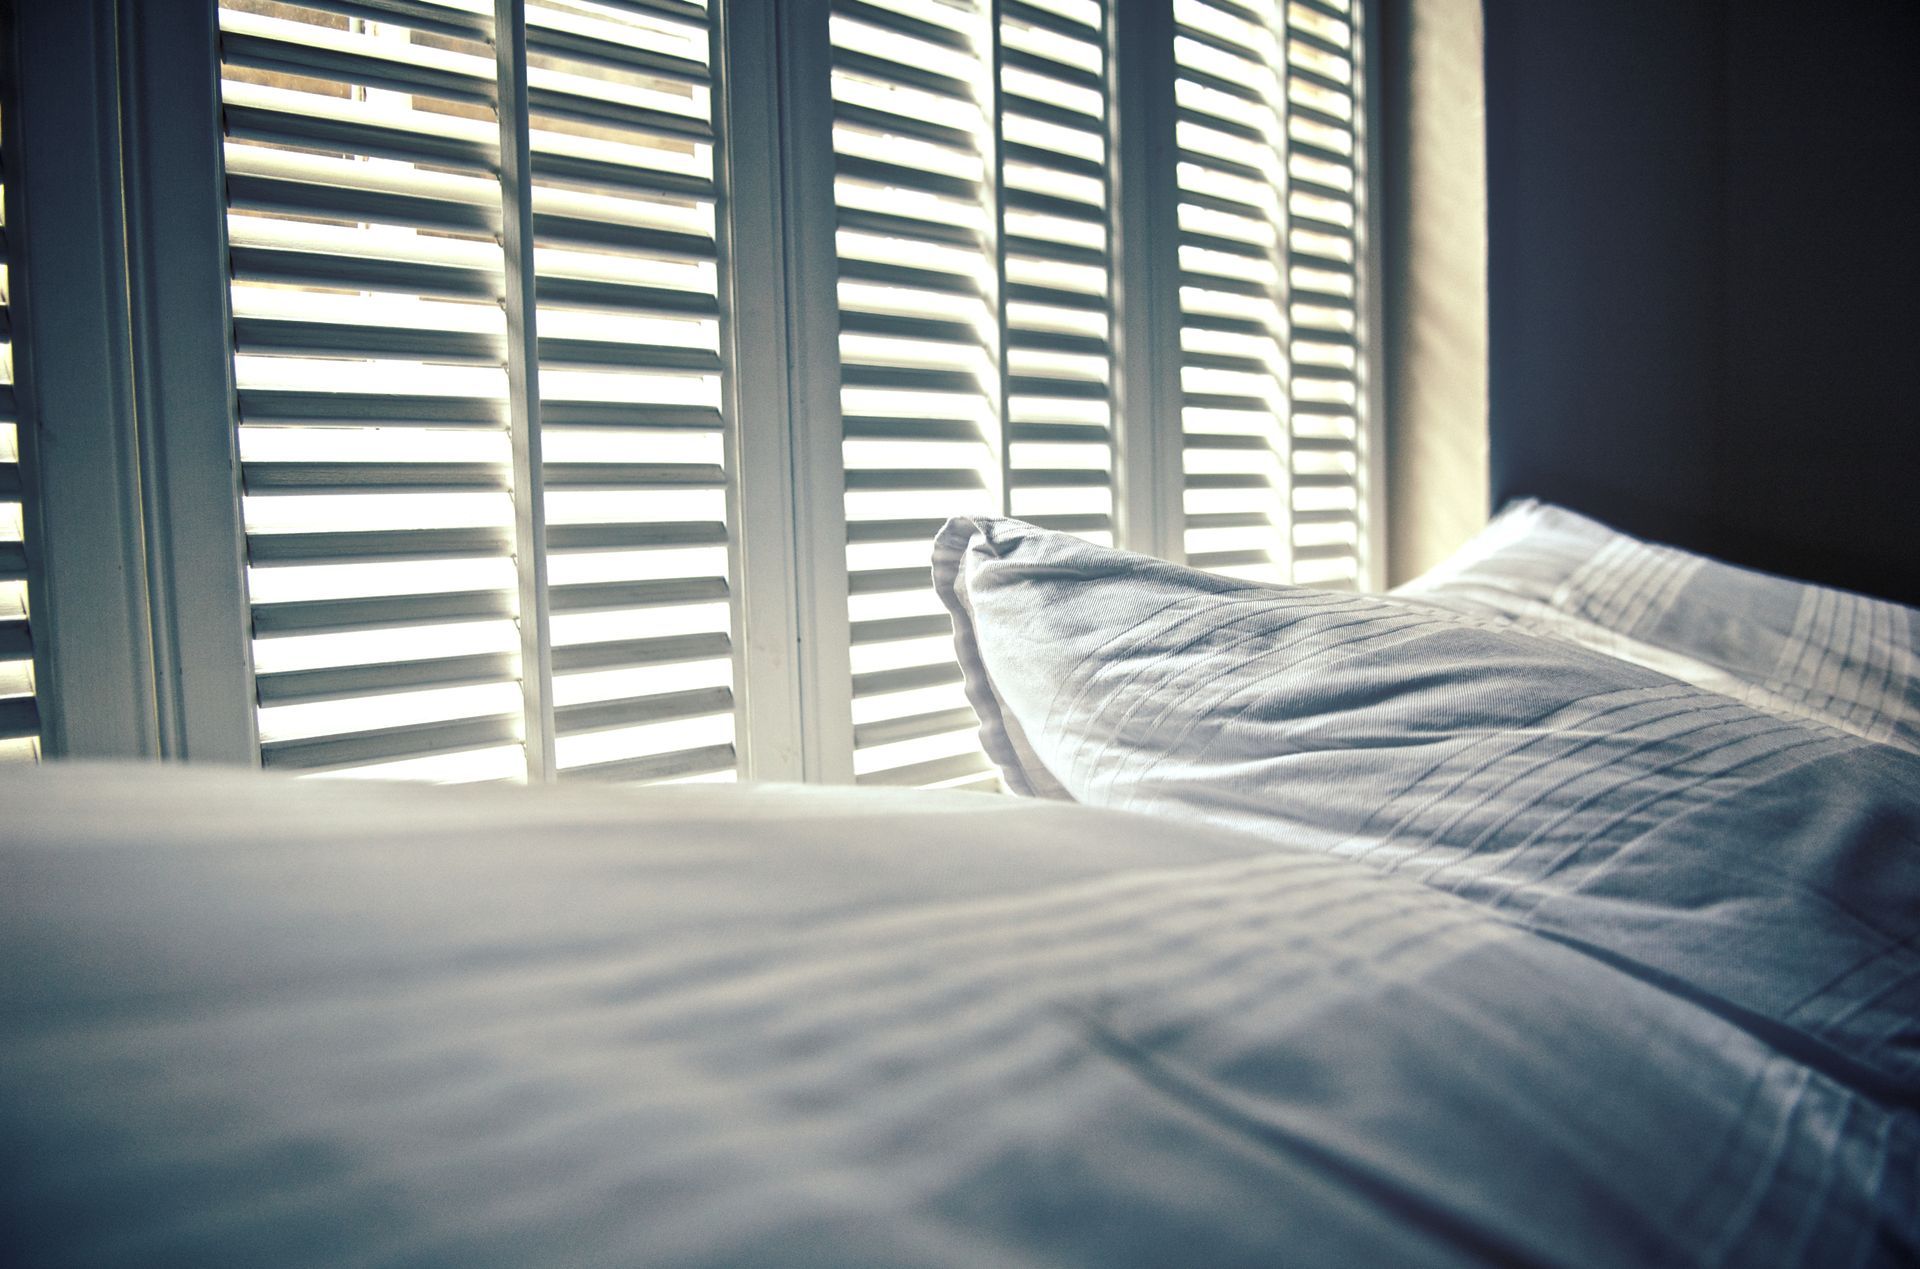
(94, 650)
(765, 549)
(523, 388)
(813, 362)
(183, 382)
(1148, 231)
(138, 566)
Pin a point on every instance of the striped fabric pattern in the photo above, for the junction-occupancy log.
(297, 1025)
(1763, 866)
(1843, 659)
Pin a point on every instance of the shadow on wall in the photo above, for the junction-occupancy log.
(1702, 275)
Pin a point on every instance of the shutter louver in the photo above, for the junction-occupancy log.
(501, 484)
(19, 707)
(1271, 244)
(372, 360)
(627, 253)
(972, 187)
(369, 353)
(920, 361)
(1057, 264)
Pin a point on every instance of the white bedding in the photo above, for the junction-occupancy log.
(1847, 660)
(254, 1022)
(1446, 944)
(1764, 865)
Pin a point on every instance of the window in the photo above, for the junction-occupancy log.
(976, 319)
(511, 475)
(594, 403)
(1272, 182)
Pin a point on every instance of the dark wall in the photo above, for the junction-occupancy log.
(1704, 266)
(1822, 419)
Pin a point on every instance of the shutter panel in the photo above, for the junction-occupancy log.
(369, 354)
(19, 710)
(386, 404)
(372, 358)
(971, 183)
(1057, 264)
(1271, 247)
(636, 470)
(920, 360)
(1327, 285)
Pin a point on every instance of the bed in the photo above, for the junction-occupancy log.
(1560, 909)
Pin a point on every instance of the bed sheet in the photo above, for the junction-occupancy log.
(254, 1021)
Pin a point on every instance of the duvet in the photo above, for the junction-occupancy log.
(246, 1021)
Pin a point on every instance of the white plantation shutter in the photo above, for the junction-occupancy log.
(19, 710)
(920, 359)
(400, 550)
(1057, 264)
(534, 483)
(976, 325)
(1272, 220)
(631, 388)
(370, 351)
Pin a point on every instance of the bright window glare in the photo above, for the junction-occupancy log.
(391, 564)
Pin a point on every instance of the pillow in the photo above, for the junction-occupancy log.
(1788, 646)
(1766, 866)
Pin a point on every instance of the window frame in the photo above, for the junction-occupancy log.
(142, 629)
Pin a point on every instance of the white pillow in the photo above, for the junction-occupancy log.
(1811, 651)
(1766, 865)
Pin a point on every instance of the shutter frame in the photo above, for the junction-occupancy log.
(537, 737)
(813, 321)
(93, 651)
(184, 397)
(1148, 207)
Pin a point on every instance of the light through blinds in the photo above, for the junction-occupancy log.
(482, 348)
(971, 182)
(1057, 265)
(1271, 213)
(19, 711)
(631, 423)
(399, 414)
